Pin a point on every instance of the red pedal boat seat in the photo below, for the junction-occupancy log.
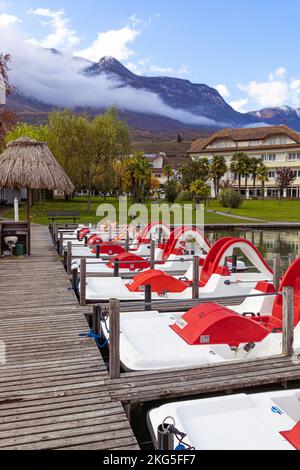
(129, 261)
(214, 324)
(159, 282)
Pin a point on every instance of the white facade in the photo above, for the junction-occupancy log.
(277, 151)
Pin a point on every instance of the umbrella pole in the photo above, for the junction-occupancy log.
(28, 221)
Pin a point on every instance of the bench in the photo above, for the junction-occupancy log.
(3, 203)
(56, 215)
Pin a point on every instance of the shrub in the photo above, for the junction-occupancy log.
(185, 196)
(230, 198)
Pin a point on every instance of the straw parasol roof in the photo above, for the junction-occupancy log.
(29, 164)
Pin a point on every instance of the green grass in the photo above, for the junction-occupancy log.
(39, 211)
(269, 210)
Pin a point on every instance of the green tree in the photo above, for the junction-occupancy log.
(194, 170)
(217, 170)
(238, 167)
(262, 176)
(40, 133)
(171, 191)
(200, 190)
(168, 172)
(254, 164)
(139, 169)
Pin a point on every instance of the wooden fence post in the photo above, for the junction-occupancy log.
(276, 271)
(83, 282)
(75, 280)
(196, 277)
(69, 259)
(288, 321)
(114, 339)
(61, 244)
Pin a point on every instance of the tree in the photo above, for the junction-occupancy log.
(139, 169)
(217, 170)
(171, 191)
(284, 177)
(7, 118)
(238, 167)
(154, 185)
(200, 190)
(262, 176)
(4, 69)
(194, 170)
(254, 164)
(40, 133)
(168, 172)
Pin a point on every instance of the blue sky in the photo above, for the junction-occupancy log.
(248, 49)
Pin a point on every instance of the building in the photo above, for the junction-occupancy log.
(9, 195)
(278, 146)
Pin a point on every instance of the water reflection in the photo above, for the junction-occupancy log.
(268, 242)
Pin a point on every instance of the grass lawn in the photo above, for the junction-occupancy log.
(39, 212)
(270, 210)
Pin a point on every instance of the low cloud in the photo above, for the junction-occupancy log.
(8, 20)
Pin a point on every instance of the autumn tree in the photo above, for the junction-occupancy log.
(7, 118)
(284, 178)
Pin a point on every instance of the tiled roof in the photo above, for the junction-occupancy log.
(237, 135)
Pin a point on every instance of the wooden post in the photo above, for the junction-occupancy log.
(65, 260)
(116, 268)
(127, 241)
(29, 201)
(55, 234)
(288, 321)
(86, 241)
(83, 282)
(75, 279)
(152, 254)
(69, 259)
(114, 339)
(96, 320)
(196, 277)
(276, 271)
(61, 244)
(148, 306)
(97, 251)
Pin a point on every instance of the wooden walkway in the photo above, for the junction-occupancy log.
(53, 392)
(140, 387)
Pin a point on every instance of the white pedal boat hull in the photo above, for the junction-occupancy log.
(236, 422)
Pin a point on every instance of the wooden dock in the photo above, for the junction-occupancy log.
(140, 387)
(53, 392)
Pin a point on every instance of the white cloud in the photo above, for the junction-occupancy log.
(155, 69)
(113, 43)
(62, 35)
(239, 105)
(8, 20)
(223, 90)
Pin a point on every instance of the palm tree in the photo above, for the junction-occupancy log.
(254, 165)
(237, 167)
(200, 190)
(262, 176)
(140, 173)
(168, 172)
(217, 170)
(247, 171)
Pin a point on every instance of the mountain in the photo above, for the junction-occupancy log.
(282, 115)
(179, 95)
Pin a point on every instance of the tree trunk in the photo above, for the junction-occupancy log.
(239, 184)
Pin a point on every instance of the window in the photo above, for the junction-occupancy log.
(272, 174)
(293, 156)
(269, 157)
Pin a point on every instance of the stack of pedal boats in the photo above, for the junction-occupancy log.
(207, 334)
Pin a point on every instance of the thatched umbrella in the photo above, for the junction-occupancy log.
(29, 164)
